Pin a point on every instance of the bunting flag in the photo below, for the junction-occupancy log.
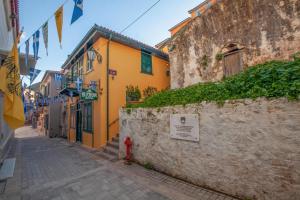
(79, 84)
(78, 10)
(45, 36)
(59, 22)
(58, 77)
(35, 44)
(26, 52)
(11, 86)
(33, 74)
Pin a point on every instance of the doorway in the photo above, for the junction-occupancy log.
(78, 123)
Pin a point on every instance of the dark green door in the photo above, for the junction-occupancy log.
(78, 124)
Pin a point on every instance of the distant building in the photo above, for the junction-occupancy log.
(126, 61)
(225, 37)
(31, 95)
(49, 119)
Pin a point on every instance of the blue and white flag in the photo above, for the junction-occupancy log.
(36, 43)
(33, 74)
(57, 77)
(79, 84)
(26, 52)
(78, 10)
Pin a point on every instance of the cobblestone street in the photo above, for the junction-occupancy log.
(54, 169)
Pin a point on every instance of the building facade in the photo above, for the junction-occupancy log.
(49, 118)
(118, 62)
(231, 36)
(195, 12)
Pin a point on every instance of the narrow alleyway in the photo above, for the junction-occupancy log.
(54, 169)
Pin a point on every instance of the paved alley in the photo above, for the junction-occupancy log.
(54, 169)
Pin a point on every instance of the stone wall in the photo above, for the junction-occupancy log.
(250, 149)
(261, 29)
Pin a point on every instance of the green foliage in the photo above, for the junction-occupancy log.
(204, 61)
(128, 111)
(296, 56)
(271, 80)
(148, 166)
(133, 93)
(219, 56)
(149, 91)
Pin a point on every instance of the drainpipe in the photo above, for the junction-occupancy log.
(107, 88)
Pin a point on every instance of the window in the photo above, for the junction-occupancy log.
(198, 13)
(88, 117)
(146, 63)
(80, 68)
(73, 116)
(89, 66)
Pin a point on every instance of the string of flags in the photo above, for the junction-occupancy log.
(33, 73)
(59, 13)
(46, 101)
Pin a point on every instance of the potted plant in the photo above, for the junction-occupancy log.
(149, 91)
(133, 94)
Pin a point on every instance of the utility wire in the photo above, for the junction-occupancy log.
(123, 30)
(139, 17)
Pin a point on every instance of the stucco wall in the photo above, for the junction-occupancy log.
(247, 148)
(6, 134)
(6, 36)
(263, 30)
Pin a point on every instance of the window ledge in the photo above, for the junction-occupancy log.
(88, 131)
(147, 73)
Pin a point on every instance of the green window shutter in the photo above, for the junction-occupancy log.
(146, 63)
(88, 117)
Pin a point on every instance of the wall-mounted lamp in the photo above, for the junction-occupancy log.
(93, 54)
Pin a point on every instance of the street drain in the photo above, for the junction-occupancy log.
(2, 186)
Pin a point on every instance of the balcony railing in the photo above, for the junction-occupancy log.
(68, 82)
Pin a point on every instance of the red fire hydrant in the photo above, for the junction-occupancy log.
(128, 144)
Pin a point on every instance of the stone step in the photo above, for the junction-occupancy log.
(113, 144)
(106, 156)
(111, 150)
(7, 169)
(116, 139)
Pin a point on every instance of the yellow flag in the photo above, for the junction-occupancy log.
(59, 15)
(10, 85)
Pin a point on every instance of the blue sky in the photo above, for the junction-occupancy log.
(113, 14)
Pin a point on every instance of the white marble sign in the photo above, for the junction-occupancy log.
(185, 127)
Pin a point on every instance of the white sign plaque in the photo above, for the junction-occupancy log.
(185, 127)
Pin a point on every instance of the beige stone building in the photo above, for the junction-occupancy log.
(231, 36)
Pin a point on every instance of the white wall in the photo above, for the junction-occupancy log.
(6, 36)
(247, 148)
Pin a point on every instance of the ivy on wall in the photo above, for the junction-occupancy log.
(272, 80)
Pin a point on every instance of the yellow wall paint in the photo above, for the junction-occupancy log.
(127, 62)
(72, 135)
(87, 139)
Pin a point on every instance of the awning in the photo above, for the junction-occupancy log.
(69, 91)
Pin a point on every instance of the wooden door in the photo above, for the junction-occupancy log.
(232, 63)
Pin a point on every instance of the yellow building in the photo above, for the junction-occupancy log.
(107, 61)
